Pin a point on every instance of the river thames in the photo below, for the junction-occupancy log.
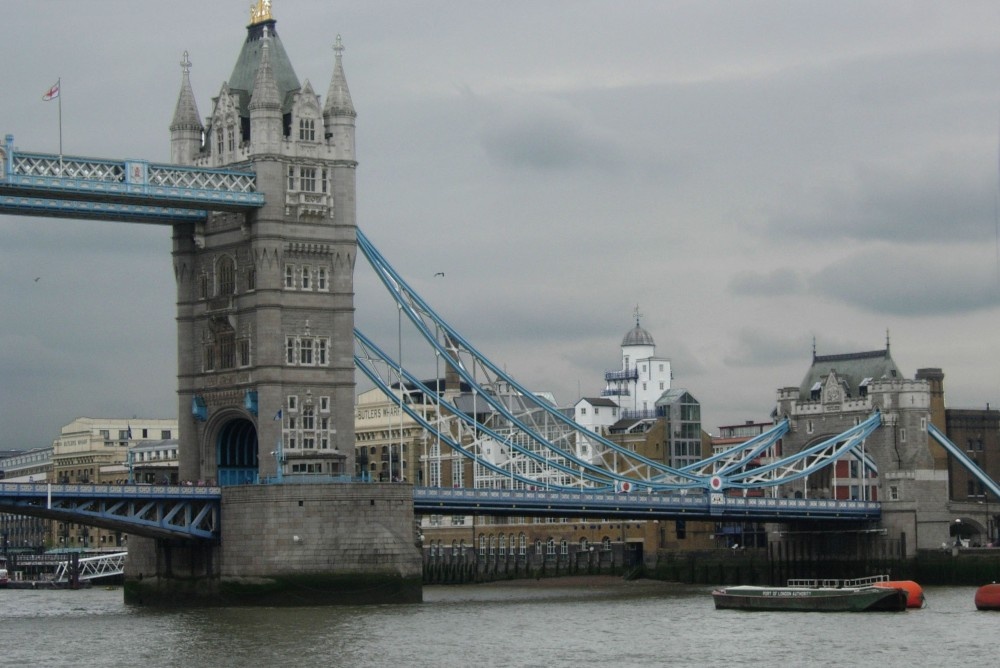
(560, 623)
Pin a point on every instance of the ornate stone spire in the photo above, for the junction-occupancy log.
(186, 113)
(265, 90)
(186, 129)
(338, 97)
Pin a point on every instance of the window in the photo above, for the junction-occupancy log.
(244, 352)
(290, 276)
(231, 137)
(227, 350)
(251, 279)
(323, 183)
(291, 177)
(293, 403)
(902, 435)
(563, 547)
(321, 278)
(307, 179)
(306, 278)
(307, 350)
(209, 362)
(203, 286)
(893, 493)
(307, 129)
(219, 141)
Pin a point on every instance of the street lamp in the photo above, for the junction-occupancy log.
(958, 532)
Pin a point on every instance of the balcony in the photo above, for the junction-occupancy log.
(625, 374)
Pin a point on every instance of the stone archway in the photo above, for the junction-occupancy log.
(236, 453)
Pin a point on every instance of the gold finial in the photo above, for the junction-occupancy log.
(260, 12)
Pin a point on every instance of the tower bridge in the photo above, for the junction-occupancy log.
(261, 200)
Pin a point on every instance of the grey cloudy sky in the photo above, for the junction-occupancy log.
(753, 175)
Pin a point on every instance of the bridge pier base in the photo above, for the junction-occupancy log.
(288, 545)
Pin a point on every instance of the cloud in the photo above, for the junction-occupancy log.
(911, 284)
(947, 199)
(776, 283)
(543, 133)
(758, 348)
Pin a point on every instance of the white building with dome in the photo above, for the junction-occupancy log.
(642, 378)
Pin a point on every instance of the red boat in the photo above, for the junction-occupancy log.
(988, 597)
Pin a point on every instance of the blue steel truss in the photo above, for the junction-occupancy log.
(155, 511)
(125, 190)
(744, 466)
(544, 472)
(967, 462)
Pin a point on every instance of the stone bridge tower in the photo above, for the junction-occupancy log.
(265, 300)
(839, 392)
(265, 325)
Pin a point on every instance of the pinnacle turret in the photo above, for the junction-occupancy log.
(185, 129)
(338, 97)
(265, 90)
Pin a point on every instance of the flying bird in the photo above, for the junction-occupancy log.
(38, 278)
(440, 273)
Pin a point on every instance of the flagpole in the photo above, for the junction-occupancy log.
(59, 83)
(59, 88)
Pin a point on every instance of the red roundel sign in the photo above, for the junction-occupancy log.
(715, 482)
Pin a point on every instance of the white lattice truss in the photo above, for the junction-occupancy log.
(106, 171)
(92, 568)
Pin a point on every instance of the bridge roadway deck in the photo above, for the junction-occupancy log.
(193, 513)
(156, 511)
(444, 501)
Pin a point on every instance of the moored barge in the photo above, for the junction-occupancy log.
(860, 595)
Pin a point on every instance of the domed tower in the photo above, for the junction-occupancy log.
(643, 377)
(265, 299)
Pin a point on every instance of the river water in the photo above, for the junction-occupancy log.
(552, 623)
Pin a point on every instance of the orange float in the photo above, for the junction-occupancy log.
(988, 597)
(914, 592)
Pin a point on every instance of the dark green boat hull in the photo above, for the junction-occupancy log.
(866, 599)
